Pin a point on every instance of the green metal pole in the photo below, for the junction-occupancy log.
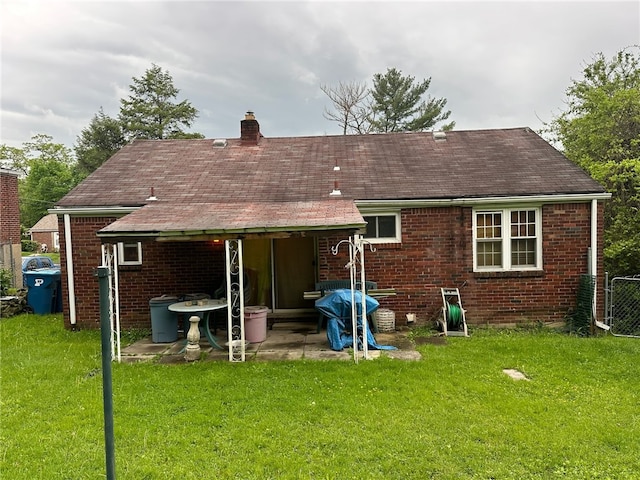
(107, 389)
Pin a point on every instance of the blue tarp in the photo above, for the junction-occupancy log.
(336, 306)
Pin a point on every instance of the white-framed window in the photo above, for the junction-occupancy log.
(383, 227)
(129, 253)
(507, 239)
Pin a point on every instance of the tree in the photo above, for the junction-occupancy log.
(14, 159)
(398, 106)
(97, 142)
(351, 110)
(600, 131)
(48, 173)
(150, 111)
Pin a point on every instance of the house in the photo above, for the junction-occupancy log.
(10, 237)
(500, 214)
(45, 233)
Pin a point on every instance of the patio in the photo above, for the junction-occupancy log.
(285, 341)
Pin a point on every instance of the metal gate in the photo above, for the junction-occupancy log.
(623, 306)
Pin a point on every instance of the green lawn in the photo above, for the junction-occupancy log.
(54, 256)
(452, 415)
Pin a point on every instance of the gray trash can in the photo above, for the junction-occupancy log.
(164, 324)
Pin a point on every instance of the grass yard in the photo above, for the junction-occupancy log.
(452, 415)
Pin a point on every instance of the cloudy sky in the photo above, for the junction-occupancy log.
(499, 64)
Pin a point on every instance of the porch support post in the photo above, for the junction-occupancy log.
(354, 307)
(359, 246)
(235, 300)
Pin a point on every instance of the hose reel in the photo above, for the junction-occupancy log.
(453, 322)
(454, 315)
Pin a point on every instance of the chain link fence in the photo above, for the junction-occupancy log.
(623, 306)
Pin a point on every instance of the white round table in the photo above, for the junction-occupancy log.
(203, 311)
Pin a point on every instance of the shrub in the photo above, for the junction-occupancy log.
(30, 246)
(6, 279)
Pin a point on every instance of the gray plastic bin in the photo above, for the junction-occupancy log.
(164, 324)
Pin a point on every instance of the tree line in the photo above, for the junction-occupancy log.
(50, 170)
(599, 131)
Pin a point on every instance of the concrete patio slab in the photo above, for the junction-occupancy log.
(285, 341)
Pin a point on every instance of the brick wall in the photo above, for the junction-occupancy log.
(44, 237)
(10, 245)
(436, 252)
(167, 268)
(9, 208)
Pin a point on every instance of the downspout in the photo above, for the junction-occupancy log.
(594, 263)
(70, 280)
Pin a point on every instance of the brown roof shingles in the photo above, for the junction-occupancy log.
(481, 163)
(252, 217)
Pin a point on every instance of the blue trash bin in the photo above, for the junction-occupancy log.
(43, 290)
(164, 323)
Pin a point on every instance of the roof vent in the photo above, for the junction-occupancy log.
(440, 136)
(152, 197)
(220, 143)
(336, 191)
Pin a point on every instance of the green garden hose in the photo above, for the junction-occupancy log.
(454, 315)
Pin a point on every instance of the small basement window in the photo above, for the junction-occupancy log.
(130, 253)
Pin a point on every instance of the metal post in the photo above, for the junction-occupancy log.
(107, 389)
(354, 308)
(357, 239)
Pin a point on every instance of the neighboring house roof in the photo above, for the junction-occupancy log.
(48, 223)
(276, 173)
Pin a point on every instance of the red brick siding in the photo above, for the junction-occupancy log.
(44, 237)
(9, 209)
(167, 268)
(436, 251)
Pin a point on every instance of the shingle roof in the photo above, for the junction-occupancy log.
(48, 223)
(164, 219)
(479, 163)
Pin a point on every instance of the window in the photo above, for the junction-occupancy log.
(130, 253)
(383, 228)
(507, 239)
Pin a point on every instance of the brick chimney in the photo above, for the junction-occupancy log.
(249, 130)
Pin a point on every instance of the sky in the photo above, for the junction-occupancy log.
(498, 64)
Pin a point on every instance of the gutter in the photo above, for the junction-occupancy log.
(462, 201)
(93, 211)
